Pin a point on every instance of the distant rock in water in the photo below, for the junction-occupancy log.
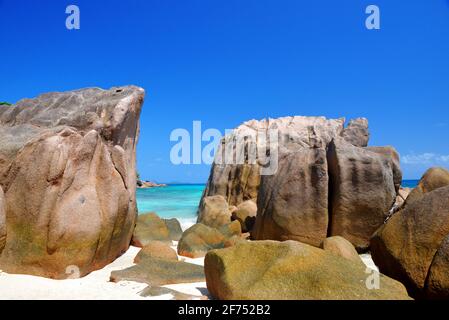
(67, 170)
(316, 178)
(148, 184)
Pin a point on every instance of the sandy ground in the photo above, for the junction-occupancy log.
(96, 285)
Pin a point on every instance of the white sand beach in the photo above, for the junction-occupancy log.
(95, 286)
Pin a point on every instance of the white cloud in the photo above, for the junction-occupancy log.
(426, 158)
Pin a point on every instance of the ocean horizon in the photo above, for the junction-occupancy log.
(181, 201)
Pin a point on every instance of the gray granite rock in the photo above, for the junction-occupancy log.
(67, 169)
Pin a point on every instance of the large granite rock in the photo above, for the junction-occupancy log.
(341, 247)
(432, 179)
(67, 169)
(391, 156)
(2, 221)
(362, 191)
(214, 212)
(315, 160)
(150, 227)
(237, 183)
(238, 180)
(158, 250)
(174, 229)
(356, 132)
(293, 203)
(199, 239)
(292, 271)
(405, 247)
(437, 284)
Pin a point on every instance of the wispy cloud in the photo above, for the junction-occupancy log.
(426, 158)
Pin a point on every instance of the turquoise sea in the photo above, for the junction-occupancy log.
(181, 201)
(172, 201)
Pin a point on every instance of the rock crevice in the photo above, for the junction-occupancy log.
(327, 181)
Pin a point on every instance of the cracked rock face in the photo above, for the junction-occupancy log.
(239, 182)
(326, 181)
(67, 170)
(362, 191)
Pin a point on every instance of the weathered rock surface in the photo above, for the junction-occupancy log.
(199, 239)
(150, 227)
(245, 213)
(174, 229)
(341, 247)
(249, 144)
(158, 272)
(437, 285)
(293, 203)
(2, 221)
(156, 249)
(290, 271)
(67, 169)
(432, 179)
(357, 133)
(392, 157)
(293, 199)
(237, 183)
(214, 212)
(406, 245)
(362, 191)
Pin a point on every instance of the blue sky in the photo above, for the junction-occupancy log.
(226, 61)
